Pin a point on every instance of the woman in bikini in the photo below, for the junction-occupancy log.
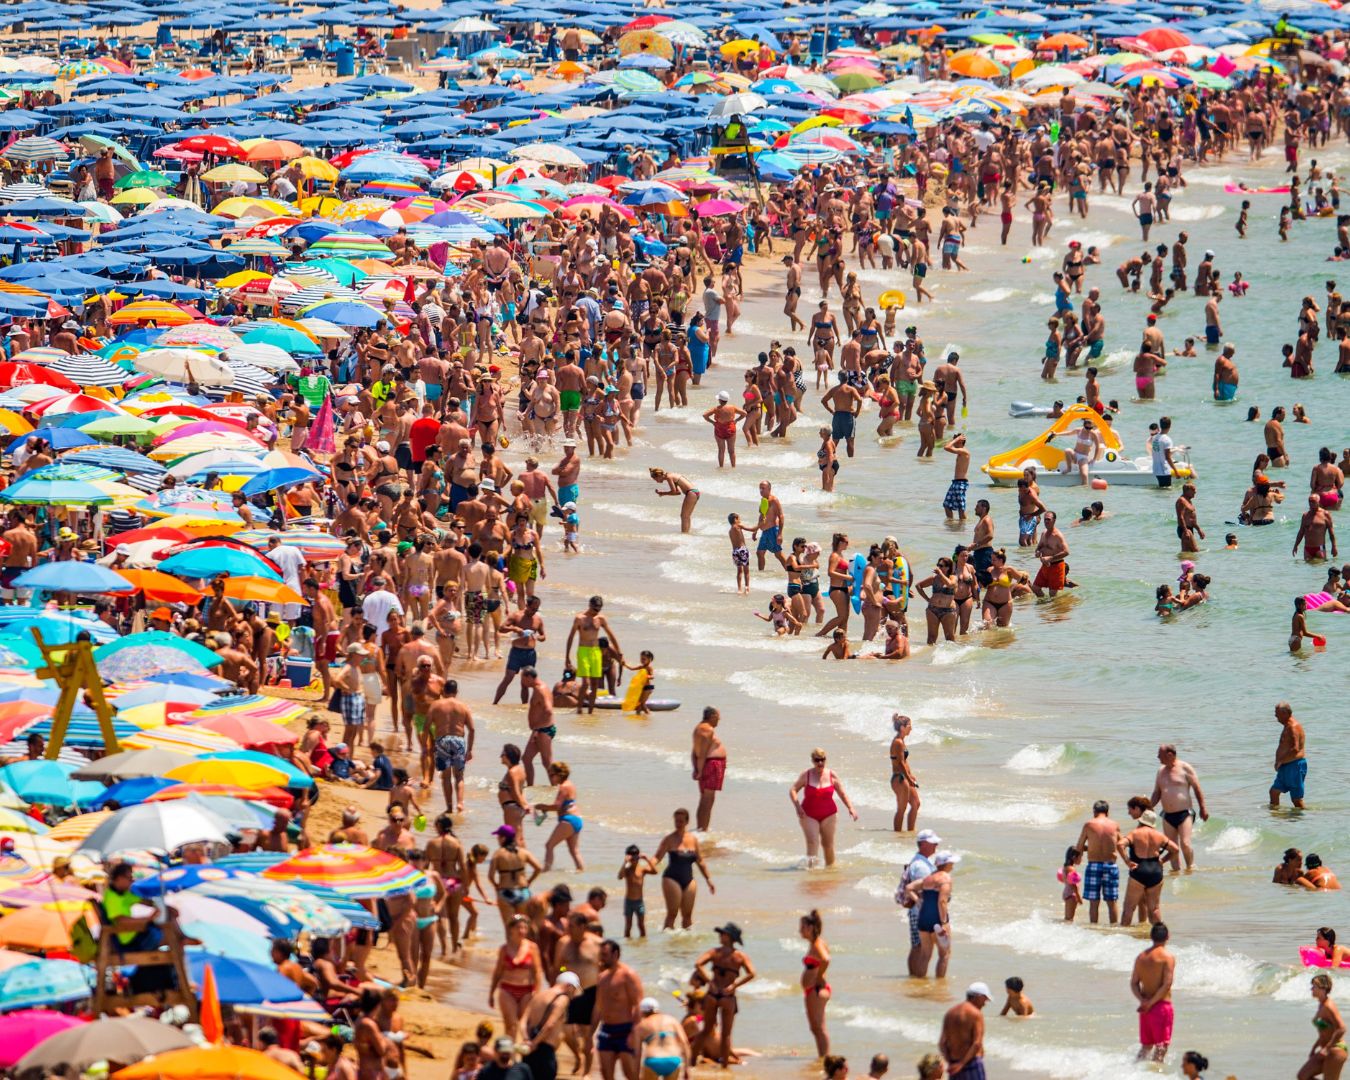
(754, 409)
(815, 990)
(731, 969)
(816, 811)
(511, 870)
(824, 332)
(888, 406)
(967, 589)
(519, 972)
(681, 852)
(840, 585)
(1328, 1054)
(511, 788)
(941, 612)
(998, 594)
(903, 783)
(678, 485)
(853, 302)
(564, 804)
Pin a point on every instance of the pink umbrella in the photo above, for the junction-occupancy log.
(63, 404)
(174, 154)
(1164, 37)
(21, 1031)
(597, 201)
(718, 208)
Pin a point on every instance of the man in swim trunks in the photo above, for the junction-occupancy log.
(770, 525)
(919, 867)
(539, 490)
(962, 1041)
(1052, 550)
(528, 630)
(982, 543)
(1225, 375)
(1173, 788)
(1099, 841)
(1314, 528)
(586, 630)
(542, 728)
(1291, 764)
(710, 765)
(1151, 984)
(618, 993)
(568, 470)
(451, 724)
(843, 403)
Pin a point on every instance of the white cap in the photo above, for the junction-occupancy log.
(382, 447)
(942, 858)
(648, 1005)
(978, 989)
(569, 978)
(1209, 254)
(928, 836)
(488, 485)
(722, 395)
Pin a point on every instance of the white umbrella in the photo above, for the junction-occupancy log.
(194, 907)
(260, 354)
(679, 32)
(549, 154)
(130, 764)
(216, 460)
(739, 104)
(1051, 75)
(471, 24)
(156, 827)
(322, 328)
(183, 365)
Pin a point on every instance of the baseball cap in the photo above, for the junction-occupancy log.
(488, 485)
(569, 978)
(505, 1043)
(946, 858)
(647, 1005)
(162, 613)
(928, 836)
(722, 395)
(504, 830)
(382, 447)
(978, 989)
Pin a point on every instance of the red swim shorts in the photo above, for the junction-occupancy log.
(1051, 576)
(1155, 1025)
(714, 772)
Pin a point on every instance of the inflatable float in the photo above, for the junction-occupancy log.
(1048, 454)
(1312, 956)
(858, 571)
(892, 298)
(1239, 189)
(1020, 410)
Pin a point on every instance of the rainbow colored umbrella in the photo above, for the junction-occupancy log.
(391, 189)
(351, 870)
(273, 710)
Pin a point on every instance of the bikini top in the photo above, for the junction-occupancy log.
(520, 965)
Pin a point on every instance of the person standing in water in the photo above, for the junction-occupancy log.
(1151, 984)
(1175, 785)
(663, 1049)
(816, 811)
(1100, 841)
(962, 1039)
(903, 783)
(710, 765)
(1291, 764)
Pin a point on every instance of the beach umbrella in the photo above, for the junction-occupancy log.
(23, 373)
(42, 928)
(87, 370)
(718, 208)
(160, 312)
(247, 731)
(349, 869)
(219, 145)
(115, 1040)
(46, 782)
(75, 829)
(234, 173)
(128, 765)
(739, 104)
(45, 982)
(77, 577)
(646, 41)
(211, 561)
(170, 646)
(246, 774)
(240, 982)
(21, 1031)
(220, 1061)
(1159, 38)
(155, 827)
(36, 148)
(1056, 41)
(181, 737)
(972, 64)
(160, 587)
(184, 365)
(273, 150)
(177, 878)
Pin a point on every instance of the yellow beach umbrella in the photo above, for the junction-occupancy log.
(241, 278)
(41, 928)
(13, 423)
(736, 48)
(234, 172)
(159, 311)
(253, 206)
(648, 41)
(137, 196)
(313, 168)
(246, 774)
(75, 829)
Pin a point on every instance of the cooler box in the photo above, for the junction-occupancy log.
(299, 671)
(344, 56)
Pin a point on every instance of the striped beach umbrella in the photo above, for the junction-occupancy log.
(160, 312)
(318, 294)
(273, 710)
(200, 333)
(35, 148)
(88, 370)
(391, 189)
(351, 870)
(186, 739)
(24, 190)
(350, 245)
(258, 245)
(314, 545)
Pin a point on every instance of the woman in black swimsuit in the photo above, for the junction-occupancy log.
(731, 969)
(903, 782)
(941, 610)
(682, 853)
(1143, 853)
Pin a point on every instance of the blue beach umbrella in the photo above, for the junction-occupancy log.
(44, 982)
(242, 982)
(78, 577)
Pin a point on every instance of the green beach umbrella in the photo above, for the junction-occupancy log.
(150, 178)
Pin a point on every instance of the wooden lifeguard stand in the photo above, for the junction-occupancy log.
(73, 669)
